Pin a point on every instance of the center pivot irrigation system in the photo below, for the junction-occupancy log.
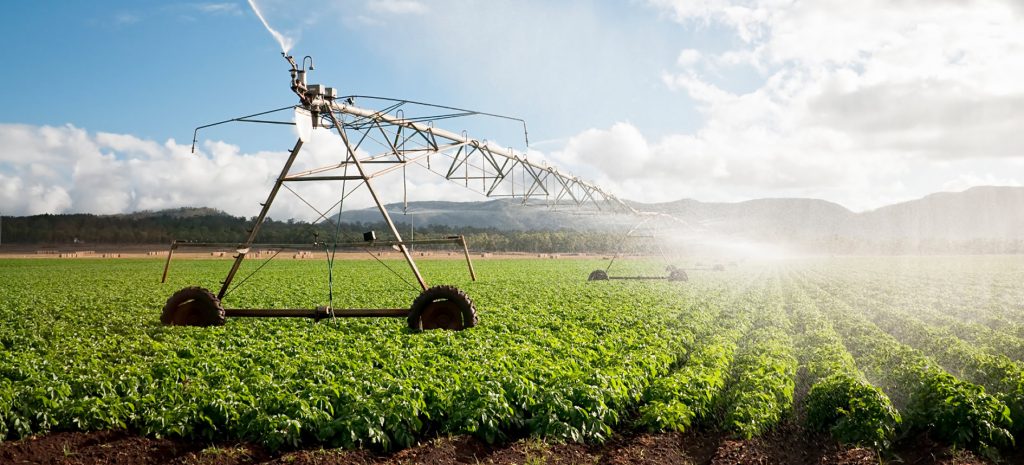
(377, 143)
(645, 228)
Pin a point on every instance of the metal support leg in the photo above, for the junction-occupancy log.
(167, 265)
(622, 245)
(376, 200)
(465, 249)
(244, 247)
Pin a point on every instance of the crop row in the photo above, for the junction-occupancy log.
(997, 373)
(558, 358)
(555, 356)
(739, 375)
(839, 398)
(980, 291)
(966, 312)
(929, 398)
(760, 393)
(678, 399)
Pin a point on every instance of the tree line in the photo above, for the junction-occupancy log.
(208, 225)
(204, 225)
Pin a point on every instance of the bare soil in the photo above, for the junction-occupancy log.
(788, 445)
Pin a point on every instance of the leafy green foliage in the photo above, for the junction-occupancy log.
(839, 400)
(554, 357)
(688, 394)
(675, 401)
(762, 379)
(961, 412)
(953, 410)
(853, 410)
(993, 371)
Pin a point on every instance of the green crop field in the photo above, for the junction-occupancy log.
(868, 349)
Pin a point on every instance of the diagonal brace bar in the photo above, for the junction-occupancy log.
(244, 247)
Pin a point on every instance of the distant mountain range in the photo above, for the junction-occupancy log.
(978, 220)
(979, 213)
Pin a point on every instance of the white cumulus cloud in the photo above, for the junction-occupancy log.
(66, 169)
(864, 103)
(397, 6)
(688, 57)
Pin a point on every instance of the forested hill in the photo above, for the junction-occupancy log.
(209, 225)
(984, 219)
(978, 220)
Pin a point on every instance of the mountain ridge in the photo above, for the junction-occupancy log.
(984, 212)
(985, 219)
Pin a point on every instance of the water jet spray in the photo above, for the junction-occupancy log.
(284, 41)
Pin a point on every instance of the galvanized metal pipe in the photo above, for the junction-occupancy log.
(637, 277)
(462, 139)
(317, 313)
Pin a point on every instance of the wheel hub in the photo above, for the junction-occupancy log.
(442, 314)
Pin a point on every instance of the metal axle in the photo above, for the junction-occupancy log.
(318, 313)
(638, 277)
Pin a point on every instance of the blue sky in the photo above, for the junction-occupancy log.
(158, 69)
(861, 103)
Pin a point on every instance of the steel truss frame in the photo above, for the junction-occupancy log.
(380, 142)
(674, 273)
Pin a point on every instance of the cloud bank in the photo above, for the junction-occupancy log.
(45, 169)
(864, 103)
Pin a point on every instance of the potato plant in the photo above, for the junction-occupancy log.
(554, 356)
(839, 398)
(930, 398)
(762, 381)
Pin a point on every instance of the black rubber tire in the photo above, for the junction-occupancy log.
(678, 275)
(598, 275)
(442, 307)
(193, 306)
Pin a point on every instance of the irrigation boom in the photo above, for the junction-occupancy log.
(377, 143)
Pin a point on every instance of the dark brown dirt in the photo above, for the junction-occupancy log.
(787, 445)
(105, 447)
(646, 448)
